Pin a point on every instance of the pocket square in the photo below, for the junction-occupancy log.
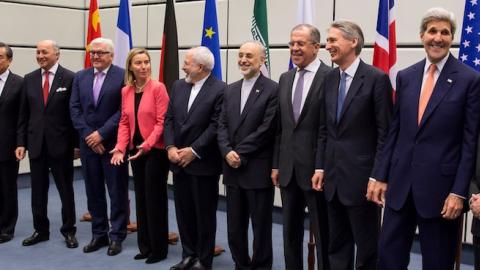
(61, 89)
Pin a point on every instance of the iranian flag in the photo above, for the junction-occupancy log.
(260, 31)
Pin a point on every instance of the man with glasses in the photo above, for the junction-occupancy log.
(94, 107)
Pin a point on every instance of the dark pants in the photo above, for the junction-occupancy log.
(243, 204)
(8, 196)
(476, 251)
(350, 226)
(150, 173)
(196, 199)
(294, 201)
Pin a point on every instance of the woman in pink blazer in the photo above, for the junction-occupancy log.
(140, 135)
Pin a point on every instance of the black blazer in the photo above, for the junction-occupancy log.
(296, 143)
(51, 122)
(354, 144)
(250, 134)
(9, 109)
(196, 128)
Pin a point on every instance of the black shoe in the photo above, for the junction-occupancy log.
(4, 237)
(198, 265)
(35, 238)
(140, 256)
(95, 244)
(114, 248)
(71, 241)
(154, 259)
(185, 263)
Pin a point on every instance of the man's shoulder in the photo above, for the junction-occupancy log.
(116, 70)
(30, 75)
(15, 77)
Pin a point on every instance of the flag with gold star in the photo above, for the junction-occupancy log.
(210, 35)
(470, 41)
(93, 29)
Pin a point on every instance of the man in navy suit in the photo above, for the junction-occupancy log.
(191, 140)
(245, 138)
(95, 112)
(429, 154)
(46, 131)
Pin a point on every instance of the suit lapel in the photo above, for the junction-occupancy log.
(252, 97)
(315, 84)
(290, 77)
(57, 81)
(105, 84)
(6, 88)
(38, 91)
(355, 86)
(332, 97)
(199, 96)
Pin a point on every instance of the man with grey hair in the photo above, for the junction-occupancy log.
(46, 131)
(190, 136)
(95, 111)
(429, 154)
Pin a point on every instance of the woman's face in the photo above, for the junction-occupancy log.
(140, 66)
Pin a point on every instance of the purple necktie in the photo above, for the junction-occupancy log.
(297, 95)
(100, 77)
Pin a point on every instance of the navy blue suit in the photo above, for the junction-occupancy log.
(423, 163)
(103, 117)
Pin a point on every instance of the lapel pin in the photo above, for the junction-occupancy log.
(257, 91)
(449, 80)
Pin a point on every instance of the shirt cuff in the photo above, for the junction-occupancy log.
(372, 179)
(319, 170)
(195, 153)
(456, 195)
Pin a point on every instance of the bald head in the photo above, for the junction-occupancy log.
(251, 57)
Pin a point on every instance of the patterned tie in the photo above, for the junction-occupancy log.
(342, 93)
(46, 86)
(426, 91)
(297, 95)
(100, 77)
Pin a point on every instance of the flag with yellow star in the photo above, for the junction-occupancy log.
(210, 35)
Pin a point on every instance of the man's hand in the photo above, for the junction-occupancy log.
(138, 154)
(93, 139)
(376, 192)
(274, 177)
(185, 156)
(173, 154)
(99, 149)
(317, 181)
(76, 153)
(475, 205)
(117, 157)
(452, 208)
(20, 153)
(233, 159)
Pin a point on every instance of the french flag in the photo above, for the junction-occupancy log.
(123, 37)
(385, 48)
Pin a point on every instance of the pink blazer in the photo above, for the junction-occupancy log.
(151, 115)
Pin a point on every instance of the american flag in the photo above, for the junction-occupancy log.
(470, 42)
(385, 48)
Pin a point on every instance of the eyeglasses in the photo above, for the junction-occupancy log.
(299, 43)
(99, 53)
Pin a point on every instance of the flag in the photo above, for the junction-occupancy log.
(169, 57)
(123, 36)
(385, 47)
(93, 29)
(305, 14)
(470, 42)
(210, 35)
(260, 31)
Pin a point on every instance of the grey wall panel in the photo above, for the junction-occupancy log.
(79, 4)
(24, 60)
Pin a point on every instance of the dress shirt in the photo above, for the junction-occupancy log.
(105, 71)
(439, 65)
(308, 77)
(3, 80)
(350, 73)
(195, 90)
(51, 75)
(247, 85)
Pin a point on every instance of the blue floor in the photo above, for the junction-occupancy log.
(54, 255)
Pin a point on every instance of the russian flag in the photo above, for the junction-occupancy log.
(123, 37)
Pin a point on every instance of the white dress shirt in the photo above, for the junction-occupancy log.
(308, 77)
(195, 90)
(3, 80)
(247, 86)
(51, 75)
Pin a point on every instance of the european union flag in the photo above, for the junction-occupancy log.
(470, 42)
(210, 35)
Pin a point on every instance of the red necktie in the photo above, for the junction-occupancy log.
(46, 87)
(426, 91)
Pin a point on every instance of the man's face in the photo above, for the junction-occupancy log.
(100, 56)
(437, 40)
(191, 69)
(46, 55)
(250, 59)
(4, 61)
(302, 50)
(341, 50)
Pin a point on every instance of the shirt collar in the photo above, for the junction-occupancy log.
(103, 71)
(52, 70)
(313, 66)
(4, 75)
(352, 69)
(253, 79)
(439, 65)
(200, 83)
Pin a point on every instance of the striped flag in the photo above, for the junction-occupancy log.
(385, 48)
(123, 37)
(470, 41)
(305, 14)
(169, 58)
(260, 31)
(210, 35)
(93, 29)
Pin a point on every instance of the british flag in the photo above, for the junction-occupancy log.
(470, 42)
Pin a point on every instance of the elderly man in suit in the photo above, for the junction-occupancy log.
(10, 91)
(299, 99)
(46, 131)
(190, 136)
(358, 108)
(95, 112)
(245, 138)
(429, 154)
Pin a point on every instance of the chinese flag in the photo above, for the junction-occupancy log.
(93, 29)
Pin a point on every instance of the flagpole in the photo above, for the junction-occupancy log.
(228, 46)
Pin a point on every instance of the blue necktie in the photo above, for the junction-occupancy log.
(342, 92)
(297, 95)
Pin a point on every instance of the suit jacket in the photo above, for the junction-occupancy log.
(9, 110)
(354, 144)
(436, 157)
(296, 143)
(197, 127)
(51, 122)
(250, 134)
(150, 116)
(105, 115)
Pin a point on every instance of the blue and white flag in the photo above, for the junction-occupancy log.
(210, 35)
(470, 43)
(123, 37)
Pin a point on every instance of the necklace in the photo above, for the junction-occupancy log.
(139, 89)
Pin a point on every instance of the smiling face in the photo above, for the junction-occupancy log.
(140, 66)
(101, 56)
(250, 59)
(437, 40)
(341, 49)
(46, 55)
(4, 60)
(303, 50)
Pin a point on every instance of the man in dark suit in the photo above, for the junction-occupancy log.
(95, 112)
(46, 131)
(475, 207)
(358, 108)
(191, 140)
(429, 154)
(245, 138)
(10, 92)
(299, 100)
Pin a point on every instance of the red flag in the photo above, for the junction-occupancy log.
(93, 29)
(169, 58)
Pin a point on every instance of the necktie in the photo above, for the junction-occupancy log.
(342, 93)
(100, 76)
(46, 86)
(426, 91)
(297, 95)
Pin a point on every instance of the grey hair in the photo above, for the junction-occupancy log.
(314, 33)
(54, 44)
(203, 56)
(438, 14)
(104, 41)
(263, 51)
(350, 31)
